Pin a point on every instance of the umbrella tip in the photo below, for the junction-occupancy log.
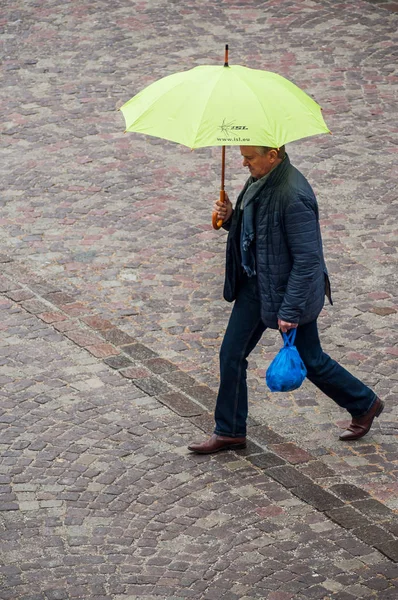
(226, 56)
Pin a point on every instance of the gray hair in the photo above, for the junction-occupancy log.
(262, 150)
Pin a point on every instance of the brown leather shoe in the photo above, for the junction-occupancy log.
(361, 425)
(217, 443)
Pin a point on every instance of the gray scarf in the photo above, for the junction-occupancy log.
(247, 233)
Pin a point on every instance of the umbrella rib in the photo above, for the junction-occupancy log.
(279, 142)
(146, 110)
(255, 96)
(160, 98)
(220, 73)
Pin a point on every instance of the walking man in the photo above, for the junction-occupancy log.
(277, 277)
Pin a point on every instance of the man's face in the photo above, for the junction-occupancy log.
(258, 164)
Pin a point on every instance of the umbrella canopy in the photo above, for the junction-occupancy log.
(220, 106)
(224, 105)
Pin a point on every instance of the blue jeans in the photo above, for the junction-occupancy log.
(243, 332)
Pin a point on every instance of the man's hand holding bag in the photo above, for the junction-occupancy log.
(287, 371)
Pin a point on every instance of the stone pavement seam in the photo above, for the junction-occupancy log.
(347, 505)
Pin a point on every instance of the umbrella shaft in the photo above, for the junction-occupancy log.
(222, 168)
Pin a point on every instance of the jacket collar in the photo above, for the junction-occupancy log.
(277, 174)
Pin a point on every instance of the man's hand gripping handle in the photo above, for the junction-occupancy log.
(222, 210)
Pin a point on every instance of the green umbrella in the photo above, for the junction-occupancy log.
(224, 105)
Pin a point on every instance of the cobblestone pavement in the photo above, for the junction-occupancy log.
(102, 501)
(111, 279)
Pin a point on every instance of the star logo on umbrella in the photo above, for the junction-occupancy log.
(226, 127)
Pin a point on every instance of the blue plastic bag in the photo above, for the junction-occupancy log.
(287, 371)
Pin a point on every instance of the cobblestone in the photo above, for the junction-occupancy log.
(112, 315)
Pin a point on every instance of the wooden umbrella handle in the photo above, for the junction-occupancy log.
(215, 221)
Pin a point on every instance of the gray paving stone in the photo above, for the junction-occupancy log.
(266, 435)
(138, 351)
(289, 477)
(118, 362)
(117, 337)
(347, 517)
(266, 460)
(389, 547)
(317, 497)
(180, 404)
(317, 470)
(203, 394)
(349, 492)
(160, 365)
(152, 386)
(376, 510)
(180, 380)
(373, 534)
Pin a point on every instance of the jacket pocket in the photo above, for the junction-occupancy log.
(328, 288)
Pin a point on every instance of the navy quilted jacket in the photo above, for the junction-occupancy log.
(291, 272)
